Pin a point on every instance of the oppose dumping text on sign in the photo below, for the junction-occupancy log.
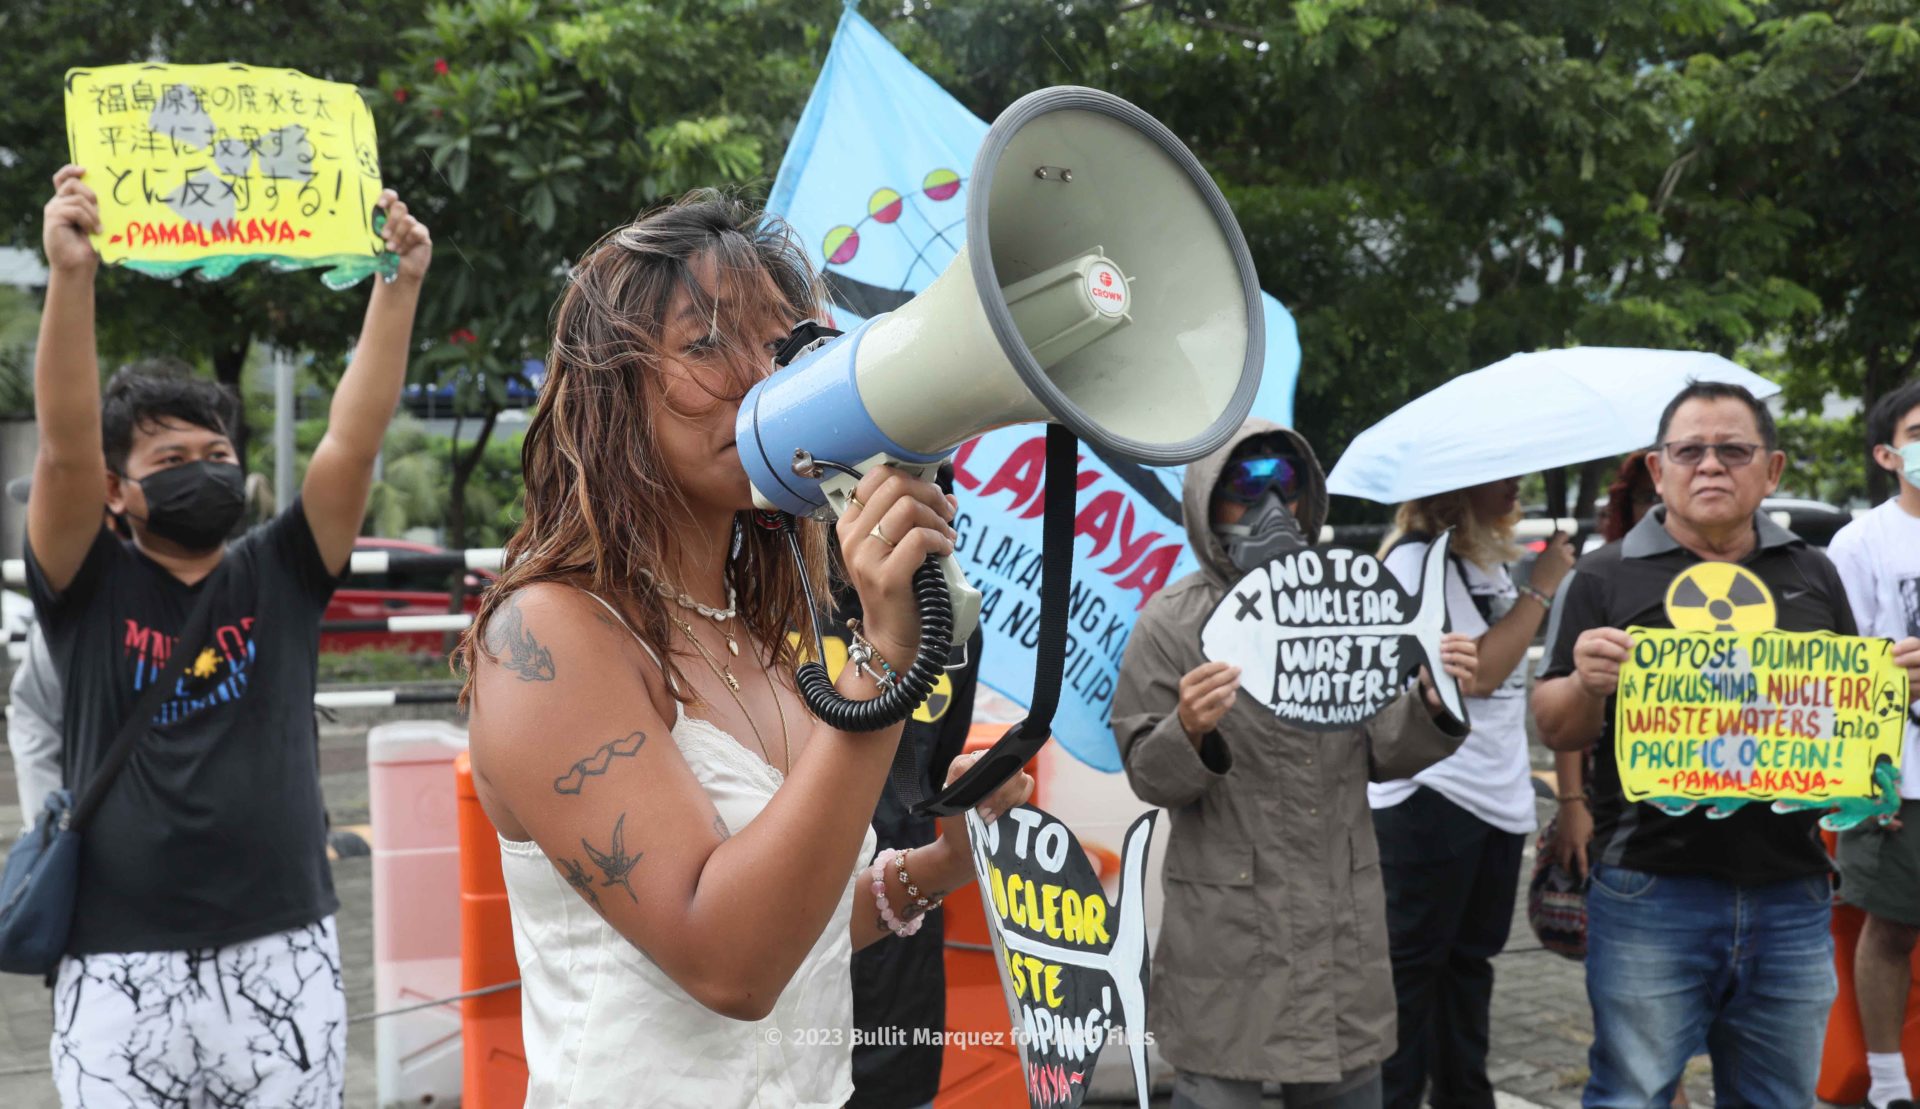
(1757, 716)
(209, 167)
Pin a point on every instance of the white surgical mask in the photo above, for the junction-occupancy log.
(1910, 460)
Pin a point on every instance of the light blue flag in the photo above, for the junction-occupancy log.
(874, 185)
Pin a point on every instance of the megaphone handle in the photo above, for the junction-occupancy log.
(910, 689)
(1025, 739)
(965, 600)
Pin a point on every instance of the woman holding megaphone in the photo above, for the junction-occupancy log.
(685, 848)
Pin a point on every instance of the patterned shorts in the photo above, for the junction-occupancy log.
(261, 1023)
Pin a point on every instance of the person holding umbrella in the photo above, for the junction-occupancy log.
(1451, 836)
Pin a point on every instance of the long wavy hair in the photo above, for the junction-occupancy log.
(1484, 545)
(600, 507)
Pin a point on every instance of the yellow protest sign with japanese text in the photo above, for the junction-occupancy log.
(208, 167)
(1757, 716)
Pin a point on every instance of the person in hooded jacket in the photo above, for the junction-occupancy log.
(1272, 965)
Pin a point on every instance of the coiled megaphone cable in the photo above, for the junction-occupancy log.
(911, 689)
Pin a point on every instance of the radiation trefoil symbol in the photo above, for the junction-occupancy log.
(1720, 597)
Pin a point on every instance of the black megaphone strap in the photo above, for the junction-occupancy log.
(1024, 740)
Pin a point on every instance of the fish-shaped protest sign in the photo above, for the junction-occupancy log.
(1326, 637)
(1073, 962)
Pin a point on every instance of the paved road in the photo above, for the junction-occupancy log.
(1540, 1022)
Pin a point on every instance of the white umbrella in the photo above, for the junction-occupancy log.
(1526, 413)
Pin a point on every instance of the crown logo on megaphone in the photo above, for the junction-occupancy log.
(1104, 285)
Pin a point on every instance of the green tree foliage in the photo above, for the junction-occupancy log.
(531, 130)
(1432, 187)
(1428, 186)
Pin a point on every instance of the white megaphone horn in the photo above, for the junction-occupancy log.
(1104, 285)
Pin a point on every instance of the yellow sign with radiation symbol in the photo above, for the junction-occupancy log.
(1726, 708)
(930, 710)
(1720, 597)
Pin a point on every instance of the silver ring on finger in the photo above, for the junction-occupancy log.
(882, 536)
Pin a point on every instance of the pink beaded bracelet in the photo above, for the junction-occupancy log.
(878, 876)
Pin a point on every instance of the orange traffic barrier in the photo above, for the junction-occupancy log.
(980, 1066)
(494, 1062)
(1843, 1063)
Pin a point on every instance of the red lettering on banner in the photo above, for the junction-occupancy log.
(1130, 547)
(1021, 472)
(1151, 575)
(1108, 519)
(962, 476)
(1098, 520)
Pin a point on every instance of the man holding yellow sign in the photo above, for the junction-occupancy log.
(202, 962)
(1757, 716)
(1708, 927)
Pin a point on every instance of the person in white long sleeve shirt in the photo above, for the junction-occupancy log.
(33, 727)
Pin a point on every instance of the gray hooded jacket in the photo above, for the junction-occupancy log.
(1272, 959)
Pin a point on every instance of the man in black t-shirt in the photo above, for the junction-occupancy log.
(1701, 932)
(202, 965)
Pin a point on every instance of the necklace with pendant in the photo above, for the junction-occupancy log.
(725, 674)
(719, 616)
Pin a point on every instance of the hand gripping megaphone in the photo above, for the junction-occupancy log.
(1104, 287)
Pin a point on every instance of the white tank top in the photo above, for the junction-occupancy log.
(604, 1026)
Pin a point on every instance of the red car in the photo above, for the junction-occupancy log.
(399, 591)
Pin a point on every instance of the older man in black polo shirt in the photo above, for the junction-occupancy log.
(1701, 933)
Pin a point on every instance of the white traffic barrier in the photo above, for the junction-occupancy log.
(416, 909)
(382, 698)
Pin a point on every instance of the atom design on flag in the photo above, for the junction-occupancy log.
(887, 207)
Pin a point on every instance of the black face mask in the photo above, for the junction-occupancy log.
(1265, 533)
(195, 504)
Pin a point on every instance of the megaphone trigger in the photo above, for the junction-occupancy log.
(807, 336)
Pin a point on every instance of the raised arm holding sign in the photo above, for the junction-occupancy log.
(218, 840)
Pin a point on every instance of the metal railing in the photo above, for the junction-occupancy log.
(14, 570)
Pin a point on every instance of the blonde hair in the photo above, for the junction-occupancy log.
(1484, 545)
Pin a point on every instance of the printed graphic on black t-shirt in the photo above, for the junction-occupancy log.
(214, 831)
(216, 677)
